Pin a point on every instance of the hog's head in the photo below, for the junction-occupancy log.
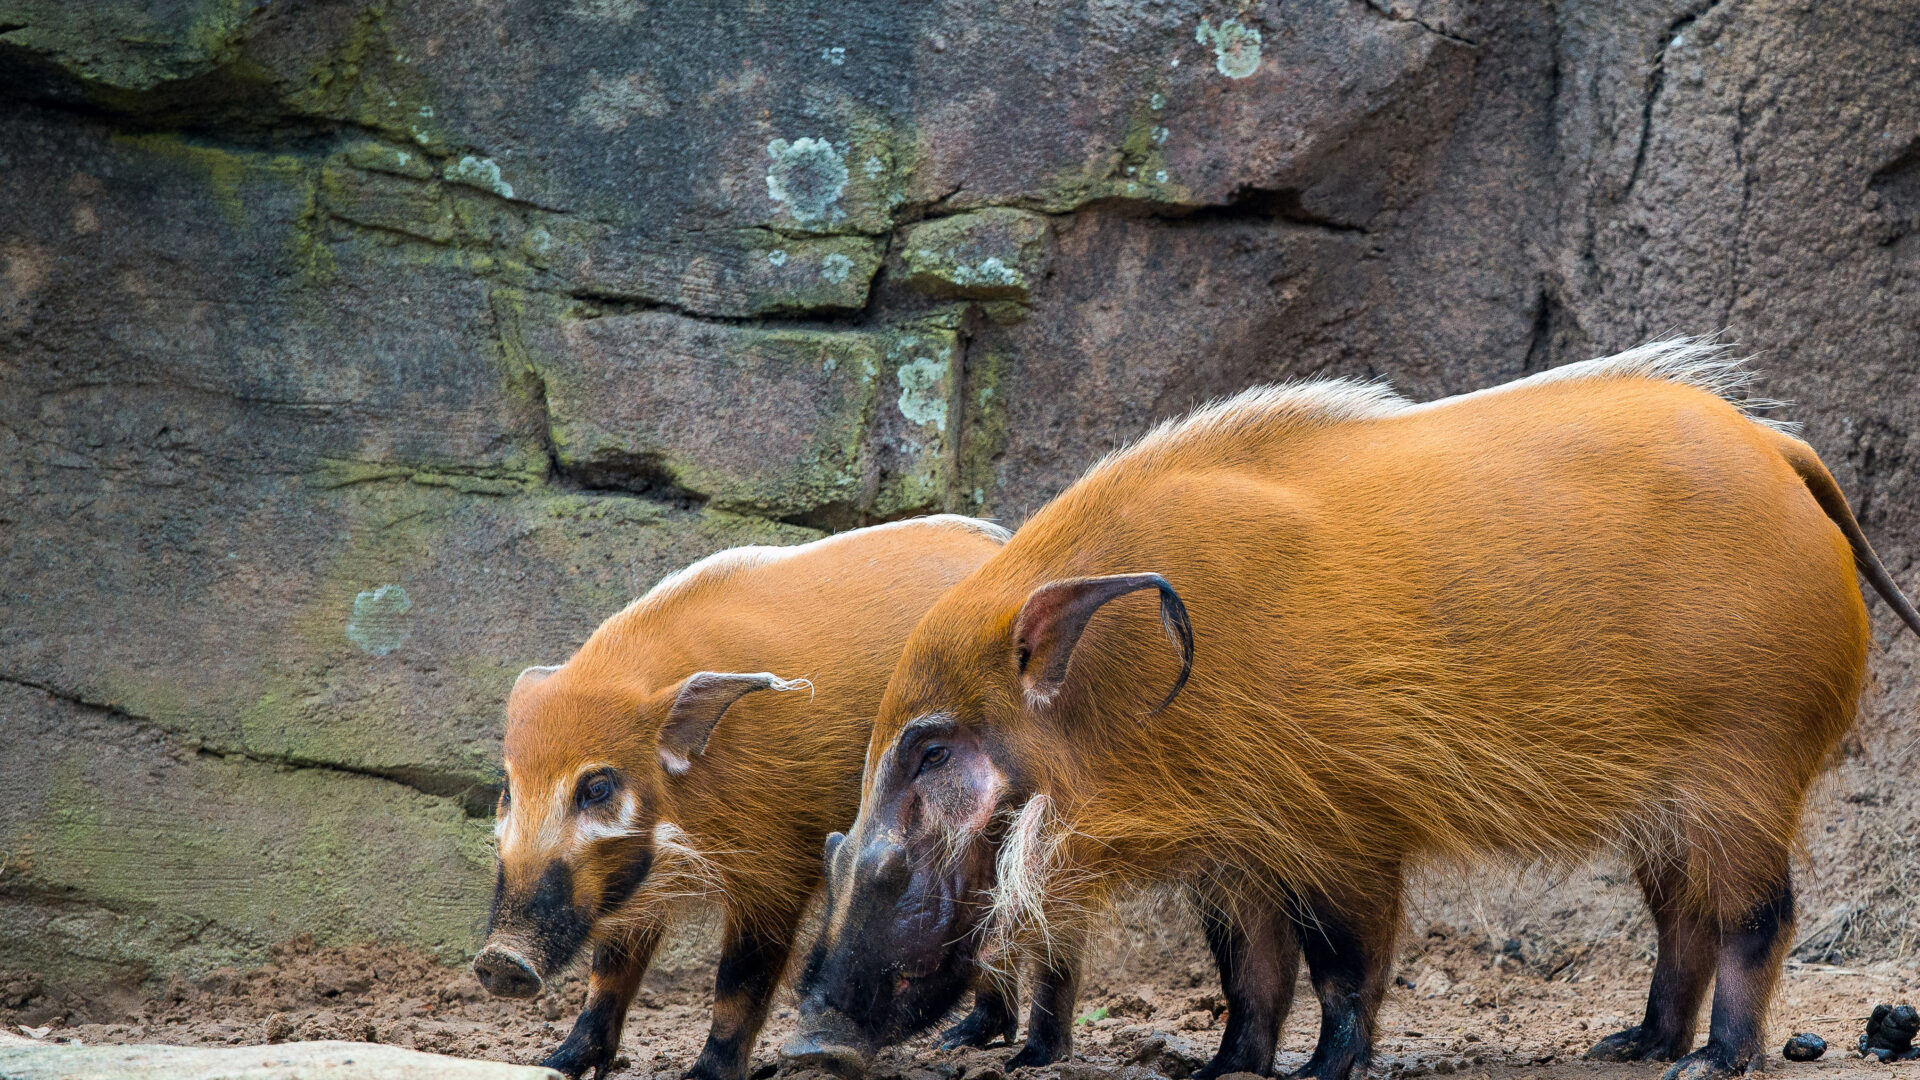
(959, 768)
(582, 824)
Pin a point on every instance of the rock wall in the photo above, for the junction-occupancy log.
(357, 353)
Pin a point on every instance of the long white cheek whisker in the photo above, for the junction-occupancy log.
(1031, 894)
(681, 871)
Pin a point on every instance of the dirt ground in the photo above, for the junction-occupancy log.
(1461, 1004)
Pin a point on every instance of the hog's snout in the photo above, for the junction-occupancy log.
(827, 1041)
(887, 863)
(506, 973)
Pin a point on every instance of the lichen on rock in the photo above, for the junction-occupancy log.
(1236, 46)
(807, 177)
(996, 253)
(478, 172)
(379, 622)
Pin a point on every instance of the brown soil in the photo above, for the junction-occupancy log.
(1460, 1005)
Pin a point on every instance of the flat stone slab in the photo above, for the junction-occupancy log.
(332, 1060)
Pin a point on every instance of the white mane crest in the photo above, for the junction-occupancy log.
(1319, 401)
(722, 565)
(1699, 362)
(718, 566)
(1691, 361)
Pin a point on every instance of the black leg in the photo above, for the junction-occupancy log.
(612, 980)
(1050, 1019)
(1348, 944)
(1681, 971)
(751, 963)
(1751, 950)
(992, 1018)
(1258, 957)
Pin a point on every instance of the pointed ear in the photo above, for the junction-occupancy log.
(1056, 614)
(698, 706)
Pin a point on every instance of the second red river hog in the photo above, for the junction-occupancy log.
(701, 745)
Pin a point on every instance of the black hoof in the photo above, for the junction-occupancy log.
(1633, 1044)
(574, 1060)
(1216, 1068)
(1710, 1062)
(707, 1070)
(1033, 1055)
(979, 1028)
(1335, 1067)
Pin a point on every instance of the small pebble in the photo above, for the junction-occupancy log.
(1804, 1046)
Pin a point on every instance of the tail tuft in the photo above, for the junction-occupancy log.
(1827, 493)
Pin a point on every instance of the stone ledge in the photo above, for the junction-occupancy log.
(21, 1060)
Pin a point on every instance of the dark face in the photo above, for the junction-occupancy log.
(911, 889)
(570, 856)
(907, 893)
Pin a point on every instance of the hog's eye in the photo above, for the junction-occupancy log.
(935, 757)
(595, 790)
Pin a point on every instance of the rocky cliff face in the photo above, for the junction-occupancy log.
(357, 353)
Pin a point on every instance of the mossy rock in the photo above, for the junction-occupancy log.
(992, 254)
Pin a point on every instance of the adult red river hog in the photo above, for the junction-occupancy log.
(649, 769)
(1598, 607)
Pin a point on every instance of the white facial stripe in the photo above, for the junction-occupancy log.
(501, 823)
(559, 825)
(586, 830)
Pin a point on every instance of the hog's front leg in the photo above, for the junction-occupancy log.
(1056, 986)
(752, 959)
(612, 980)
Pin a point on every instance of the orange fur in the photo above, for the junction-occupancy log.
(1596, 608)
(781, 768)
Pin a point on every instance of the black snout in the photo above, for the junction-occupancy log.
(827, 1041)
(506, 973)
(887, 861)
(893, 958)
(531, 932)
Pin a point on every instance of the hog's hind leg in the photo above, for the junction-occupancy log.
(1348, 945)
(1681, 970)
(1752, 947)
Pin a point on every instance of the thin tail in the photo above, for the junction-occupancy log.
(1827, 493)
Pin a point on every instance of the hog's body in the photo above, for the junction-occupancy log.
(647, 770)
(1599, 607)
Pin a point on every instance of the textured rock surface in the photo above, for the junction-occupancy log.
(993, 254)
(288, 1061)
(355, 353)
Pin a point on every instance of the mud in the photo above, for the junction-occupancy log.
(1461, 1004)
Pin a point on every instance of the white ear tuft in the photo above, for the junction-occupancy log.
(702, 699)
